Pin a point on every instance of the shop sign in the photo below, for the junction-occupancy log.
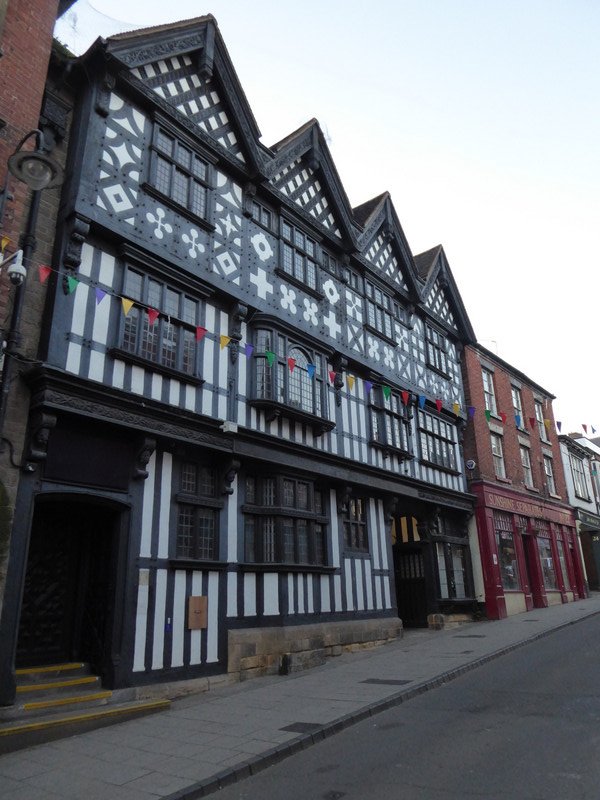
(525, 508)
(591, 520)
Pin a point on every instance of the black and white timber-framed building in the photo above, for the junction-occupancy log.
(247, 415)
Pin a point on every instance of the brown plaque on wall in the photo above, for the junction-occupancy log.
(197, 612)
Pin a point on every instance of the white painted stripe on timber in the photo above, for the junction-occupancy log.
(178, 619)
(165, 505)
(212, 633)
(196, 636)
(378, 595)
(156, 387)
(362, 417)
(369, 584)
(325, 594)
(222, 407)
(232, 541)
(348, 581)
(106, 274)
(382, 529)
(73, 358)
(335, 533)
(141, 621)
(374, 532)
(208, 352)
(242, 379)
(79, 309)
(285, 429)
(337, 592)
(232, 604)
(190, 398)
(310, 437)
(346, 429)
(386, 590)
(158, 639)
(96, 368)
(148, 509)
(310, 595)
(355, 433)
(118, 380)
(174, 392)
(298, 432)
(291, 594)
(87, 256)
(250, 595)
(300, 590)
(271, 594)
(101, 320)
(223, 353)
(253, 419)
(358, 582)
(137, 380)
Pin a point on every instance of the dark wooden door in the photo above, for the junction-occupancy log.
(411, 592)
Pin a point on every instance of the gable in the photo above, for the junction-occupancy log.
(437, 302)
(301, 184)
(380, 254)
(176, 80)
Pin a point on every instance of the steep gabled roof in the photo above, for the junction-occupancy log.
(426, 261)
(440, 295)
(365, 211)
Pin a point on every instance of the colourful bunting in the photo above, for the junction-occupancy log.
(270, 355)
(44, 273)
(291, 363)
(200, 333)
(72, 284)
(422, 400)
(224, 340)
(350, 381)
(3, 242)
(311, 369)
(488, 414)
(405, 396)
(518, 420)
(127, 305)
(438, 404)
(532, 422)
(456, 408)
(558, 425)
(593, 429)
(368, 387)
(471, 412)
(100, 295)
(152, 315)
(584, 427)
(503, 417)
(547, 424)
(332, 375)
(249, 349)
(387, 392)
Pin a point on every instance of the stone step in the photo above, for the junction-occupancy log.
(56, 686)
(19, 733)
(72, 669)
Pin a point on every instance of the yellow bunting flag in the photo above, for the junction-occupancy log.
(3, 242)
(456, 408)
(224, 341)
(547, 423)
(127, 304)
(350, 381)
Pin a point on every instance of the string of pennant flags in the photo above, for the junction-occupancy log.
(72, 282)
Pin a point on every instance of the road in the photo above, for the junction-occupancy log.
(523, 727)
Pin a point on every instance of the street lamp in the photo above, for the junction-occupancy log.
(37, 170)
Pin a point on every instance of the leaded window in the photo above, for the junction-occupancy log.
(452, 570)
(389, 421)
(168, 340)
(298, 255)
(285, 521)
(198, 508)
(382, 311)
(436, 350)
(178, 173)
(262, 215)
(354, 520)
(438, 441)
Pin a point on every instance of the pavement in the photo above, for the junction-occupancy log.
(211, 740)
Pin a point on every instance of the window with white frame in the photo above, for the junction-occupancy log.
(526, 464)
(489, 395)
(539, 416)
(389, 420)
(549, 473)
(438, 441)
(298, 255)
(285, 520)
(498, 455)
(436, 350)
(452, 570)
(170, 339)
(178, 173)
(198, 506)
(579, 481)
(517, 402)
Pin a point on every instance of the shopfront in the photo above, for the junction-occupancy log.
(529, 552)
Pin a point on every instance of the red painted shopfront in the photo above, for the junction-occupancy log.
(529, 551)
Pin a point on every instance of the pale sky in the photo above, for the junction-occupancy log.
(480, 117)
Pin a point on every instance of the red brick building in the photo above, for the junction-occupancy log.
(523, 526)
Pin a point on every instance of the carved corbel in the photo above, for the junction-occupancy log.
(207, 55)
(340, 364)
(249, 195)
(103, 90)
(229, 474)
(142, 458)
(237, 318)
(79, 228)
(390, 507)
(41, 425)
(344, 494)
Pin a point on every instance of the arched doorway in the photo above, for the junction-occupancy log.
(70, 584)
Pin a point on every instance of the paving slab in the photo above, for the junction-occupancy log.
(213, 739)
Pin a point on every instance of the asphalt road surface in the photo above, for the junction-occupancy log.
(526, 726)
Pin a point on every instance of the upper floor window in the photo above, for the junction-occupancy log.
(298, 255)
(382, 311)
(179, 174)
(261, 215)
(517, 402)
(329, 263)
(353, 279)
(549, 472)
(285, 521)
(579, 482)
(526, 464)
(539, 416)
(170, 339)
(488, 390)
(438, 443)
(288, 373)
(197, 512)
(497, 455)
(388, 420)
(354, 520)
(436, 350)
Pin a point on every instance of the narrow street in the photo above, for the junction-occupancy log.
(524, 726)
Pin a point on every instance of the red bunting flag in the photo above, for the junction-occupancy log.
(405, 395)
(44, 273)
(532, 422)
(503, 417)
(332, 375)
(291, 363)
(200, 333)
(152, 315)
(438, 404)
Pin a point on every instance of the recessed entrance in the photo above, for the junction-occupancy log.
(69, 590)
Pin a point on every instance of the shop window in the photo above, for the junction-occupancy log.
(563, 563)
(382, 311)
(285, 521)
(507, 556)
(452, 570)
(437, 440)
(547, 562)
(198, 507)
(179, 174)
(354, 520)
